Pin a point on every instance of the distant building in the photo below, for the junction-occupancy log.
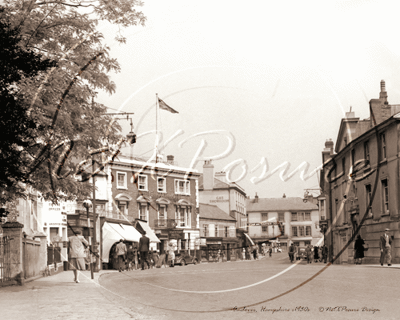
(229, 197)
(217, 232)
(363, 167)
(299, 220)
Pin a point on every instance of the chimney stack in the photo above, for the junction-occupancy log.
(170, 159)
(284, 196)
(208, 175)
(256, 198)
(328, 150)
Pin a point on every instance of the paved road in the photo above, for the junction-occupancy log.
(301, 291)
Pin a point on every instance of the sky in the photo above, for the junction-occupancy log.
(255, 82)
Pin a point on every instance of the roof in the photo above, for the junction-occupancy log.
(218, 184)
(209, 211)
(279, 204)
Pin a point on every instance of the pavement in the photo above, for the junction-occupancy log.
(59, 297)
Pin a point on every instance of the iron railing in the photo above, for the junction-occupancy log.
(5, 263)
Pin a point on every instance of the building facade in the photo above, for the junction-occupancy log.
(157, 197)
(217, 232)
(229, 197)
(298, 221)
(360, 182)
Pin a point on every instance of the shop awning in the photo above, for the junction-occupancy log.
(248, 238)
(113, 232)
(149, 233)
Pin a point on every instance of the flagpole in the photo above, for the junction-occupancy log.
(156, 126)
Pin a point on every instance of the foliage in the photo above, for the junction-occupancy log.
(18, 128)
(66, 31)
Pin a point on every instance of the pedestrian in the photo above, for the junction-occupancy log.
(77, 254)
(161, 261)
(309, 253)
(291, 252)
(244, 254)
(135, 255)
(324, 253)
(255, 253)
(270, 251)
(130, 257)
(385, 244)
(155, 257)
(144, 246)
(121, 254)
(171, 255)
(316, 256)
(358, 249)
(320, 253)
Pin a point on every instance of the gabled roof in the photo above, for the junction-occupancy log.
(208, 211)
(218, 184)
(279, 204)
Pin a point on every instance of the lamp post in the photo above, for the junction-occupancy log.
(88, 204)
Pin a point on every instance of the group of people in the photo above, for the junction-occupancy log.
(316, 253)
(385, 246)
(129, 258)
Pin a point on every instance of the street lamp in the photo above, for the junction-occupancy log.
(88, 204)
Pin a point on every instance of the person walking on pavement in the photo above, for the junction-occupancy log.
(358, 249)
(171, 255)
(385, 244)
(130, 258)
(121, 254)
(77, 253)
(144, 245)
(309, 253)
(291, 252)
(324, 253)
(316, 256)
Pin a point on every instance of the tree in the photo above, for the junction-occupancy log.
(17, 127)
(62, 108)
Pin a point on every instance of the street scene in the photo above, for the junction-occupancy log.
(213, 160)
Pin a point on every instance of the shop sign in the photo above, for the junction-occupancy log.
(203, 242)
(214, 242)
(176, 234)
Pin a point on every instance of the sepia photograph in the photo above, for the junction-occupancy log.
(199, 160)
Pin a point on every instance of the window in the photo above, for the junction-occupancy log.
(281, 216)
(182, 216)
(122, 208)
(308, 230)
(353, 157)
(301, 231)
(143, 211)
(216, 231)
(307, 216)
(294, 231)
(383, 148)
(264, 228)
(385, 196)
(264, 216)
(306, 243)
(366, 150)
(294, 216)
(296, 243)
(142, 182)
(161, 185)
(226, 232)
(121, 180)
(300, 216)
(205, 230)
(282, 229)
(368, 193)
(182, 187)
(162, 212)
